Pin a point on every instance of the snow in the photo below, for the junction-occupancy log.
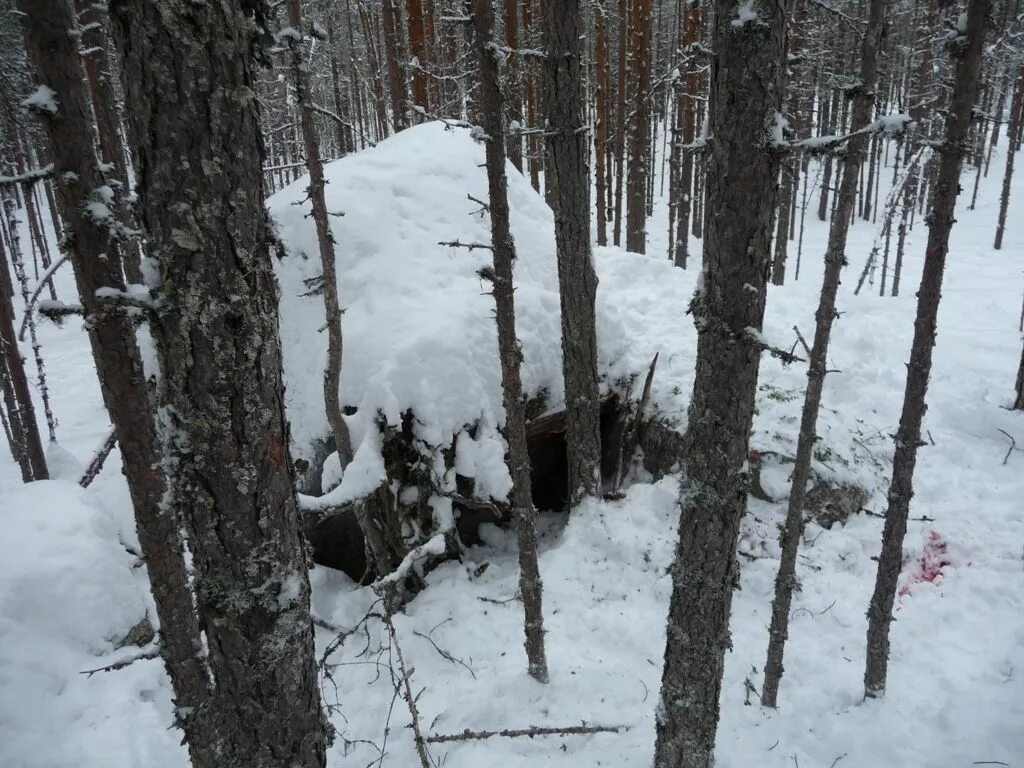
(69, 590)
(746, 13)
(42, 99)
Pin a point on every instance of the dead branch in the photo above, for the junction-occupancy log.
(1011, 449)
(531, 732)
(803, 341)
(410, 700)
(441, 651)
(143, 655)
(98, 459)
(470, 246)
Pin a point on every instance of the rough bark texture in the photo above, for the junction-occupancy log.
(747, 75)
(513, 82)
(908, 435)
(394, 53)
(188, 78)
(96, 262)
(492, 117)
(639, 127)
(568, 147)
(418, 50)
(620, 117)
(835, 260)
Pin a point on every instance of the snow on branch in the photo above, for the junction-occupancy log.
(29, 177)
(888, 125)
(42, 100)
(531, 732)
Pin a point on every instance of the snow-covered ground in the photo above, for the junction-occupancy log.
(69, 589)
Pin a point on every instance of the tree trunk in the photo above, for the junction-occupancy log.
(504, 249)
(188, 80)
(96, 262)
(835, 260)
(1016, 109)
(394, 53)
(747, 75)
(26, 446)
(967, 51)
(568, 149)
(418, 49)
(1018, 401)
(639, 127)
(620, 118)
(513, 81)
(601, 116)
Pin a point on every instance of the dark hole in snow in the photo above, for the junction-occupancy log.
(337, 541)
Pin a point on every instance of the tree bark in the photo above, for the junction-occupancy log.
(747, 77)
(513, 80)
(189, 82)
(1016, 109)
(620, 117)
(394, 53)
(568, 148)
(26, 446)
(418, 49)
(639, 127)
(601, 115)
(95, 258)
(504, 249)
(835, 260)
(967, 51)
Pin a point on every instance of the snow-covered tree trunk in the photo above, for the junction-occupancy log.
(966, 48)
(747, 75)
(509, 352)
(835, 260)
(568, 147)
(189, 85)
(84, 200)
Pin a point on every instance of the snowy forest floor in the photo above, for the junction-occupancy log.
(69, 588)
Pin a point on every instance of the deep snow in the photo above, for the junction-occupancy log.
(69, 589)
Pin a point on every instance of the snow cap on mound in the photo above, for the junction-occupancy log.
(419, 322)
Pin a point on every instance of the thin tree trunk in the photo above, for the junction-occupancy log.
(418, 49)
(747, 77)
(620, 118)
(835, 259)
(1018, 401)
(188, 80)
(568, 149)
(602, 114)
(513, 80)
(504, 249)
(967, 51)
(1016, 109)
(18, 396)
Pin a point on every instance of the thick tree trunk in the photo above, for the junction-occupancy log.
(418, 49)
(835, 260)
(504, 249)
(747, 74)
(568, 149)
(188, 78)
(96, 262)
(968, 47)
(639, 127)
(394, 54)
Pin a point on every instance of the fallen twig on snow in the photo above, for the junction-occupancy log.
(145, 654)
(531, 732)
(443, 653)
(1011, 449)
(98, 459)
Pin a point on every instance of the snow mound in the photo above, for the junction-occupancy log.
(68, 593)
(419, 321)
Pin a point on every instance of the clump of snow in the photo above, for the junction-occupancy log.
(69, 591)
(42, 99)
(746, 13)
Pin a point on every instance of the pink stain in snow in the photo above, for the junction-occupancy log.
(929, 566)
